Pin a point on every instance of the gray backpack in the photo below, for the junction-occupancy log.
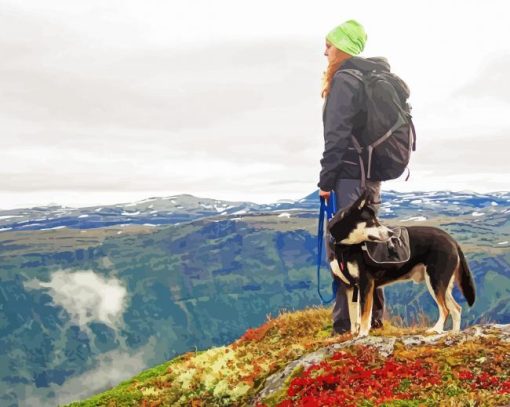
(385, 143)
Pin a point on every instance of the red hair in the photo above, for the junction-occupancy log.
(327, 75)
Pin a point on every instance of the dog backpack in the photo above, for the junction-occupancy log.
(396, 251)
(385, 143)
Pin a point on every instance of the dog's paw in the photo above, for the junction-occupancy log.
(362, 335)
(434, 330)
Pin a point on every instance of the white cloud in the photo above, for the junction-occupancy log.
(110, 369)
(86, 296)
(104, 101)
(491, 80)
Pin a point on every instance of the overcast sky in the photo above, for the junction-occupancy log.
(115, 101)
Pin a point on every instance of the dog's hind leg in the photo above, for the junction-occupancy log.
(440, 276)
(440, 298)
(454, 308)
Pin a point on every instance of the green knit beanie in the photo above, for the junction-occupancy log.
(349, 37)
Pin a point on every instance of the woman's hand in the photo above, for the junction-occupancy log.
(324, 194)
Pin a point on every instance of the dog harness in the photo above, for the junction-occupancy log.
(345, 250)
(384, 254)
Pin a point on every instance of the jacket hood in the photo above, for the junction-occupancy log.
(367, 64)
(380, 64)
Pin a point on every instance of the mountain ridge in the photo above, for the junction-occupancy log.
(160, 211)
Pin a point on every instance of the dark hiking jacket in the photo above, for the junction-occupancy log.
(344, 115)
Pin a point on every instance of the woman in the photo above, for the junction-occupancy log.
(343, 117)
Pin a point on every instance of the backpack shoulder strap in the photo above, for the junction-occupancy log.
(354, 73)
(414, 133)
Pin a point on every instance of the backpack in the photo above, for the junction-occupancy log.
(396, 251)
(385, 143)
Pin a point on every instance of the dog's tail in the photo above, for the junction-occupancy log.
(466, 283)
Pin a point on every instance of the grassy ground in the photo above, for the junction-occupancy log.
(231, 375)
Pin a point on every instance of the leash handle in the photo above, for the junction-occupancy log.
(331, 205)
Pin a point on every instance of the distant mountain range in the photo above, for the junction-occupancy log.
(91, 296)
(157, 211)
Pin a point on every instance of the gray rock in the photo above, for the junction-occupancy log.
(385, 346)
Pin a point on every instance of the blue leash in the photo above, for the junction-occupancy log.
(330, 209)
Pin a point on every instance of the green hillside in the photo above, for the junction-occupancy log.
(196, 285)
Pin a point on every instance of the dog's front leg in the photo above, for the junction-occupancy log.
(366, 290)
(353, 311)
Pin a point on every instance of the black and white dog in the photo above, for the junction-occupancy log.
(435, 258)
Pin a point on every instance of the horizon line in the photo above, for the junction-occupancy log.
(247, 201)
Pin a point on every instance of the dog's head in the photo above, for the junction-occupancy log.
(358, 224)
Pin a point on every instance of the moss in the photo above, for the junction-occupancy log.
(232, 375)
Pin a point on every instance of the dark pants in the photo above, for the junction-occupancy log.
(347, 191)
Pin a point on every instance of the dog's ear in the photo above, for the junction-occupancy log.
(362, 200)
(335, 224)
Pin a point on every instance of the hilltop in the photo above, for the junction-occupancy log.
(292, 360)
